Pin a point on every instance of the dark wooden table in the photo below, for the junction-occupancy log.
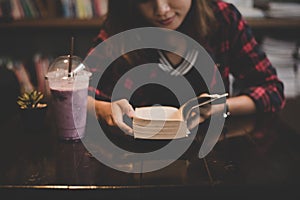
(256, 157)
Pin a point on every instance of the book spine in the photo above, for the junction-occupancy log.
(103, 7)
(98, 8)
(88, 8)
(6, 10)
(41, 7)
(73, 8)
(66, 5)
(33, 11)
(55, 8)
(80, 10)
(19, 5)
(15, 12)
(25, 8)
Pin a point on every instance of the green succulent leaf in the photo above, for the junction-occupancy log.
(30, 100)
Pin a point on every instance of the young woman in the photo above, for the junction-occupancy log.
(218, 27)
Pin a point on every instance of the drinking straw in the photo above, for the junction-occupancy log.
(71, 55)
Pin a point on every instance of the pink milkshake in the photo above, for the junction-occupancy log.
(70, 108)
(69, 97)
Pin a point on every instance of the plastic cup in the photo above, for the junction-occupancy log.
(69, 96)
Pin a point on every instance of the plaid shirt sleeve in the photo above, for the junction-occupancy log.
(249, 65)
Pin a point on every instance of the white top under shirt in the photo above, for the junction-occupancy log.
(183, 68)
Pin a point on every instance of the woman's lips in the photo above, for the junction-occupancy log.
(167, 21)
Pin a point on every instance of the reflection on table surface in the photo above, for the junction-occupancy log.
(254, 156)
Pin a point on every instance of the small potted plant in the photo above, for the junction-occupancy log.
(32, 110)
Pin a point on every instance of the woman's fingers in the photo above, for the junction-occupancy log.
(126, 107)
(119, 108)
(193, 122)
(198, 116)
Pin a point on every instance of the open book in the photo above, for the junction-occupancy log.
(166, 122)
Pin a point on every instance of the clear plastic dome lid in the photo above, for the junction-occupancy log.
(65, 67)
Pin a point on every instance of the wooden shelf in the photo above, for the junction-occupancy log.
(96, 22)
(54, 23)
(291, 23)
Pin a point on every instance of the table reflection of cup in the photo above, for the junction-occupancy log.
(69, 96)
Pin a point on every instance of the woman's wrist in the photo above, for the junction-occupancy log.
(226, 111)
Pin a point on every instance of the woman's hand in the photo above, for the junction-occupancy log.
(112, 113)
(199, 114)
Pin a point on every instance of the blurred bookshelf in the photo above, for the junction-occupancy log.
(47, 25)
(34, 32)
(11, 10)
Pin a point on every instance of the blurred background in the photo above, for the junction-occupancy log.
(33, 32)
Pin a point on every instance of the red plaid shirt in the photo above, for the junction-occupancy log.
(234, 50)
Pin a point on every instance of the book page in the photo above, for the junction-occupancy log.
(160, 113)
(166, 122)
